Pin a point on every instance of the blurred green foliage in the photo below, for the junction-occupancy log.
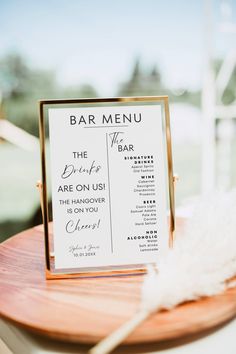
(149, 83)
(22, 86)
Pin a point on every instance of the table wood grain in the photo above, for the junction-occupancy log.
(88, 309)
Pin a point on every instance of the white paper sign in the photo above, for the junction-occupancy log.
(108, 185)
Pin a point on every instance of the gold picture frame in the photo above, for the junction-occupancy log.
(42, 185)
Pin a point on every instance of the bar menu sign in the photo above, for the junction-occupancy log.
(108, 185)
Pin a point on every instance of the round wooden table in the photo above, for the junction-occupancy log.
(88, 309)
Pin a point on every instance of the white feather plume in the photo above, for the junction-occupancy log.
(201, 264)
(203, 257)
